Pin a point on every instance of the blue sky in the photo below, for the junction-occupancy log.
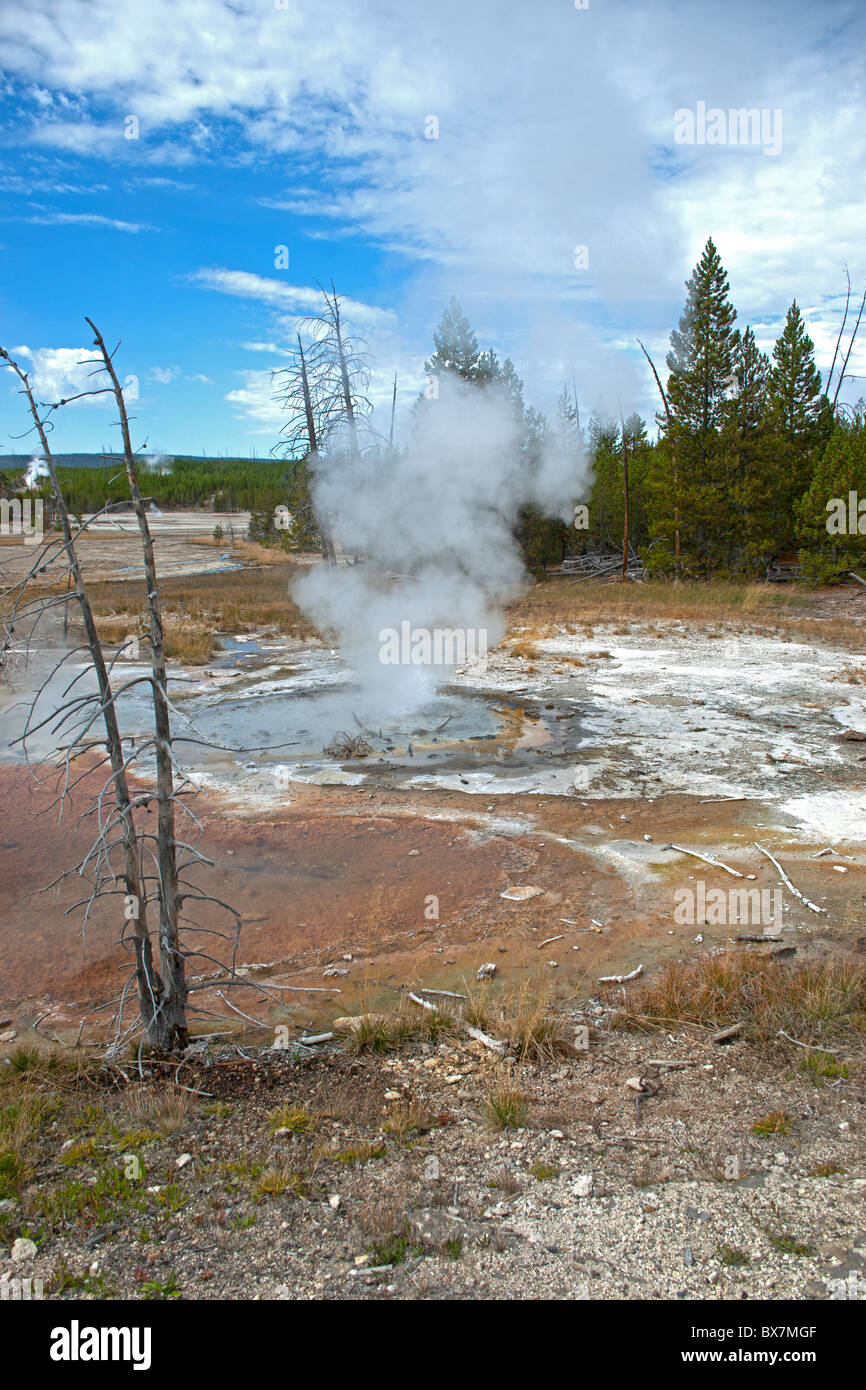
(305, 126)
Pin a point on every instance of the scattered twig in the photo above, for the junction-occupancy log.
(620, 979)
(727, 1033)
(716, 863)
(492, 1043)
(812, 1047)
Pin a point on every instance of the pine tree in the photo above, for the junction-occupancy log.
(694, 501)
(831, 516)
(701, 356)
(795, 382)
(457, 348)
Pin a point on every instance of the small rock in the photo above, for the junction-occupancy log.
(582, 1185)
(23, 1249)
(393, 1095)
(183, 1160)
(9, 1036)
(699, 938)
(334, 1200)
(486, 971)
(432, 1170)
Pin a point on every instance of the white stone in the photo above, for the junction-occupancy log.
(23, 1249)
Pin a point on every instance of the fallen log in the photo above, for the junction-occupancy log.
(785, 879)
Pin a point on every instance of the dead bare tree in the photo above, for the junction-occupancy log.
(163, 993)
(171, 1023)
(301, 431)
(850, 344)
(147, 980)
(324, 390)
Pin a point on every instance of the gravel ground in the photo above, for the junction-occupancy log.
(601, 1192)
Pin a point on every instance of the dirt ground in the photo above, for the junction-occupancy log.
(385, 1177)
(737, 1174)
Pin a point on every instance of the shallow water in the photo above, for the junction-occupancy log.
(260, 705)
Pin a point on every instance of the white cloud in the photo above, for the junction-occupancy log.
(58, 373)
(163, 376)
(555, 130)
(88, 219)
(278, 294)
(255, 403)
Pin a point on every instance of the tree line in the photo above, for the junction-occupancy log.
(756, 460)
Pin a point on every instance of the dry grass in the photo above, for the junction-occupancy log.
(777, 1122)
(523, 649)
(766, 609)
(525, 1016)
(406, 1117)
(282, 1179)
(236, 601)
(814, 1002)
(164, 1109)
(291, 1117)
(504, 1104)
(562, 600)
(390, 1032)
(186, 643)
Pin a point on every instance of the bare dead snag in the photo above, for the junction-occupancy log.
(169, 1025)
(328, 553)
(147, 979)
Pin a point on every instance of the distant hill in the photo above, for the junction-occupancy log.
(13, 463)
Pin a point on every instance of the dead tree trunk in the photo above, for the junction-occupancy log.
(393, 409)
(148, 981)
(329, 555)
(170, 1026)
(669, 419)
